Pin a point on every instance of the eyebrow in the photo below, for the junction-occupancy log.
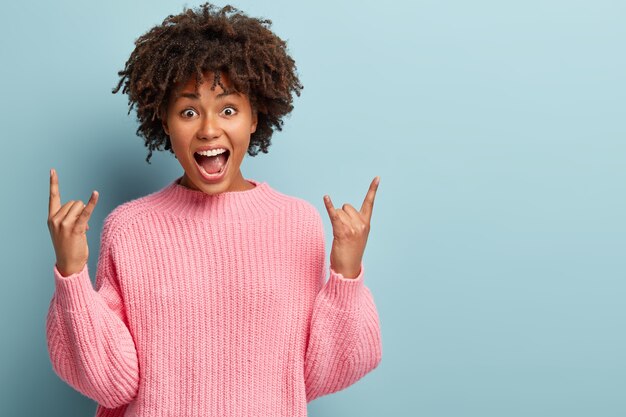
(196, 97)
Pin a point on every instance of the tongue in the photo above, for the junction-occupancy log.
(213, 164)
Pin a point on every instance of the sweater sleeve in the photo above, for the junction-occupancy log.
(89, 343)
(344, 342)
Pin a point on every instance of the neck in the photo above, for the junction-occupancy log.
(240, 184)
(239, 206)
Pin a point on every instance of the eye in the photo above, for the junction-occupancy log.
(230, 111)
(185, 113)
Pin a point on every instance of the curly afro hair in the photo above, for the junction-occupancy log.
(207, 39)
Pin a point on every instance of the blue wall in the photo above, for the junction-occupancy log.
(497, 250)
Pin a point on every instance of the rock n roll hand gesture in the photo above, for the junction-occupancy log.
(350, 231)
(68, 227)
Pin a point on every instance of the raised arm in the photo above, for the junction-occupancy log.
(344, 342)
(89, 343)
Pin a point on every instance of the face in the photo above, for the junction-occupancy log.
(210, 119)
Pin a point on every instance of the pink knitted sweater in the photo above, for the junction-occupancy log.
(211, 306)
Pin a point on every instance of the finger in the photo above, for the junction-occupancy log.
(64, 210)
(81, 224)
(344, 218)
(368, 203)
(351, 211)
(72, 215)
(332, 213)
(352, 219)
(54, 203)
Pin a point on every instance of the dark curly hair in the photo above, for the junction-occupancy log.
(207, 39)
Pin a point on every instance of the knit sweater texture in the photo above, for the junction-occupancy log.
(211, 306)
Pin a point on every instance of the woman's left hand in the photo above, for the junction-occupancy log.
(350, 231)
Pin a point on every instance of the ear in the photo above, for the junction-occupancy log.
(255, 121)
(163, 118)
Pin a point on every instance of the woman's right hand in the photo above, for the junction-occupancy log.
(68, 228)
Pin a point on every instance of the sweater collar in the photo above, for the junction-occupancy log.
(226, 206)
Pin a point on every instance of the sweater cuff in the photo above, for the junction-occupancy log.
(344, 293)
(73, 291)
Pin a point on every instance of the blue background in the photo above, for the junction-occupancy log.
(497, 249)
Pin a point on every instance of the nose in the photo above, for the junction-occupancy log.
(210, 127)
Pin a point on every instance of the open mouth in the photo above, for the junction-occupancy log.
(212, 166)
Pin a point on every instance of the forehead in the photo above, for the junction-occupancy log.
(208, 81)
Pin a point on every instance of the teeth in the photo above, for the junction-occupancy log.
(212, 152)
